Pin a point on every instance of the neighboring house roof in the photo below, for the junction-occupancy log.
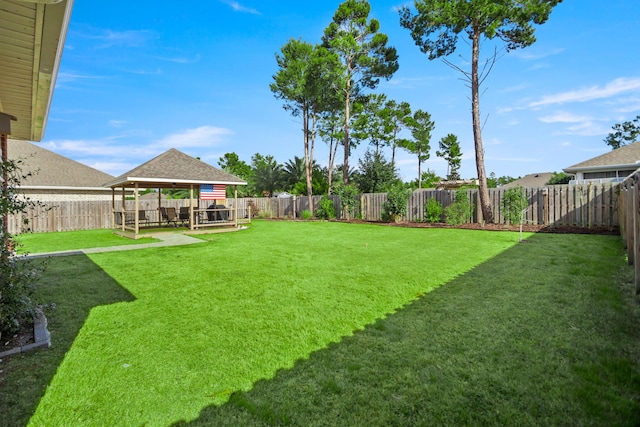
(174, 169)
(530, 180)
(31, 40)
(51, 170)
(624, 157)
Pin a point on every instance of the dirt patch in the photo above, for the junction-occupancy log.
(19, 339)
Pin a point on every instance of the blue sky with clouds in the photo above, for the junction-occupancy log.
(140, 77)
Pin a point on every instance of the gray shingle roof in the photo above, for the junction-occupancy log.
(626, 156)
(51, 169)
(174, 168)
(531, 180)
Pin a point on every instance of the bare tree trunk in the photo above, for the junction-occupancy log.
(333, 151)
(345, 164)
(485, 203)
(308, 166)
(307, 154)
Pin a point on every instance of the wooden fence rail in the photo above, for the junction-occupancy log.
(630, 223)
(583, 206)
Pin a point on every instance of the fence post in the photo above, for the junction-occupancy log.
(479, 209)
(545, 206)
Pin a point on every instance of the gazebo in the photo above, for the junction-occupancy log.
(176, 170)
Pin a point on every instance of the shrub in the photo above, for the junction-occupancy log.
(396, 205)
(306, 214)
(254, 209)
(433, 211)
(325, 209)
(514, 202)
(348, 199)
(18, 278)
(459, 211)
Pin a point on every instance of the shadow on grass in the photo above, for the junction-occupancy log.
(543, 334)
(78, 285)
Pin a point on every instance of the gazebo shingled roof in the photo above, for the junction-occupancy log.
(174, 169)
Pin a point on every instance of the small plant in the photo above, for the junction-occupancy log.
(348, 199)
(396, 205)
(514, 202)
(306, 214)
(325, 209)
(18, 278)
(433, 211)
(459, 211)
(254, 209)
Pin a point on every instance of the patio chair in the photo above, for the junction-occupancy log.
(169, 215)
(142, 216)
(183, 215)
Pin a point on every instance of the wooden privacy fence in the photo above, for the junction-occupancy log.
(577, 205)
(630, 222)
(594, 205)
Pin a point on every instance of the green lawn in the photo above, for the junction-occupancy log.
(34, 243)
(337, 324)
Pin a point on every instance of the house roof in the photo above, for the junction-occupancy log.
(624, 157)
(174, 169)
(53, 170)
(531, 180)
(32, 36)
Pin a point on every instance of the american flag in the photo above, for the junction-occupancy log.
(213, 192)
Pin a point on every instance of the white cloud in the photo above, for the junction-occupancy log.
(532, 56)
(564, 117)
(613, 88)
(240, 8)
(127, 38)
(117, 123)
(203, 136)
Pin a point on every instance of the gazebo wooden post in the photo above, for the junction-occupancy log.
(123, 216)
(191, 221)
(113, 207)
(235, 205)
(136, 213)
(159, 206)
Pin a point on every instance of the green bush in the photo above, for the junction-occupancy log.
(306, 214)
(396, 205)
(514, 202)
(459, 211)
(433, 211)
(18, 278)
(348, 199)
(325, 209)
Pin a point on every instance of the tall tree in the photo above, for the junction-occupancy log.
(451, 152)
(435, 29)
(294, 173)
(420, 125)
(374, 123)
(304, 73)
(364, 54)
(376, 173)
(267, 174)
(624, 133)
(398, 116)
(230, 162)
(330, 128)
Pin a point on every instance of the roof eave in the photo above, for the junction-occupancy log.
(132, 180)
(576, 169)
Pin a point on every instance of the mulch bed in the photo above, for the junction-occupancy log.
(21, 338)
(530, 228)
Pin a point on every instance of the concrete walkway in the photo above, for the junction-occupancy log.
(166, 239)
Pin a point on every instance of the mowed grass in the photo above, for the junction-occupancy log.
(264, 320)
(34, 243)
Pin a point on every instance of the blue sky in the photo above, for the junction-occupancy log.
(140, 77)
